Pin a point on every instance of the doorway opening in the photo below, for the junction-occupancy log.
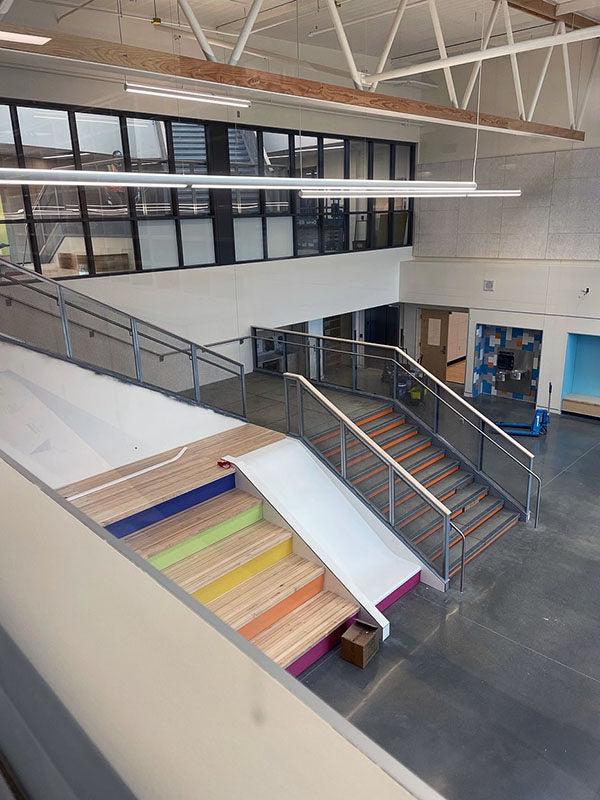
(443, 348)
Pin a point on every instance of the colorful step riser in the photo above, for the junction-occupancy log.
(320, 649)
(202, 540)
(278, 611)
(170, 507)
(244, 572)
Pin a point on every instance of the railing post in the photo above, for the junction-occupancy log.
(528, 500)
(195, 375)
(343, 467)
(481, 445)
(354, 366)
(288, 413)
(300, 411)
(286, 367)
(446, 547)
(436, 414)
(392, 496)
(395, 379)
(244, 396)
(137, 356)
(64, 322)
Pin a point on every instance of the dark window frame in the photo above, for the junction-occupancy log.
(224, 252)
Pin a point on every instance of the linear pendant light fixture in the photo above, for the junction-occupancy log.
(24, 38)
(60, 177)
(341, 193)
(181, 94)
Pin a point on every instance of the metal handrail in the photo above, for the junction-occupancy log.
(482, 417)
(371, 444)
(416, 364)
(462, 555)
(36, 276)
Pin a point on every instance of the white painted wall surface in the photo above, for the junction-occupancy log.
(181, 706)
(546, 296)
(65, 423)
(216, 303)
(333, 522)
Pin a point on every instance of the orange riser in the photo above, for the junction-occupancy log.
(389, 427)
(408, 497)
(276, 612)
(410, 453)
(324, 436)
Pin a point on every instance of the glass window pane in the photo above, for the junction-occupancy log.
(334, 229)
(306, 166)
(276, 158)
(248, 237)
(402, 172)
(333, 165)
(358, 170)
(11, 197)
(112, 244)
(381, 229)
(47, 145)
(189, 149)
(381, 170)
(400, 228)
(280, 237)
(62, 249)
(148, 148)
(14, 243)
(101, 149)
(243, 160)
(307, 235)
(158, 244)
(198, 241)
(358, 232)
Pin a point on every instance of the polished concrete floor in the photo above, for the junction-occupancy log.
(496, 693)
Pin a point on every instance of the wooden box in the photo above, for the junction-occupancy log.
(360, 643)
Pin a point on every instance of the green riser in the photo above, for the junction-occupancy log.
(202, 540)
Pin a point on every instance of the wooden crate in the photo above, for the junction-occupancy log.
(360, 643)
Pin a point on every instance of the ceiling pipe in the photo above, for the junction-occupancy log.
(580, 35)
(245, 32)
(197, 30)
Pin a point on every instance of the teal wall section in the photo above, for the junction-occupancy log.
(582, 365)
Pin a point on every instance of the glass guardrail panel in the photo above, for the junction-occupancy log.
(221, 384)
(320, 428)
(30, 311)
(99, 336)
(376, 373)
(365, 470)
(459, 426)
(269, 350)
(501, 468)
(298, 355)
(337, 363)
(416, 391)
(292, 405)
(166, 361)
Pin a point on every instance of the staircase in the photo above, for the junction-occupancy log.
(213, 540)
(482, 516)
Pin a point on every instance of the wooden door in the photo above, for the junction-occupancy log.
(434, 341)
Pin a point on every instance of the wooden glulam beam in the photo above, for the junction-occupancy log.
(157, 64)
(545, 10)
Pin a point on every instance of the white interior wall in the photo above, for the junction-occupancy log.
(546, 296)
(217, 303)
(179, 704)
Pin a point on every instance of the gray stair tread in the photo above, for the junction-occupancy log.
(468, 518)
(329, 438)
(397, 452)
(408, 431)
(378, 483)
(462, 486)
(479, 539)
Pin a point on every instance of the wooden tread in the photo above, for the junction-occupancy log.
(176, 529)
(195, 468)
(270, 588)
(295, 634)
(207, 566)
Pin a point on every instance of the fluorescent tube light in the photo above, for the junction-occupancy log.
(316, 194)
(181, 94)
(23, 38)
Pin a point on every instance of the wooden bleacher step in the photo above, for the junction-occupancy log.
(263, 600)
(298, 632)
(224, 565)
(180, 536)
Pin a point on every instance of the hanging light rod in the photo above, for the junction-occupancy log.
(182, 94)
(315, 194)
(64, 177)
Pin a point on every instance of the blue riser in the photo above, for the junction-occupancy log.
(154, 514)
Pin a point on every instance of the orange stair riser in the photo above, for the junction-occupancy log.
(467, 532)
(412, 452)
(386, 446)
(372, 435)
(276, 612)
(324, 436)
